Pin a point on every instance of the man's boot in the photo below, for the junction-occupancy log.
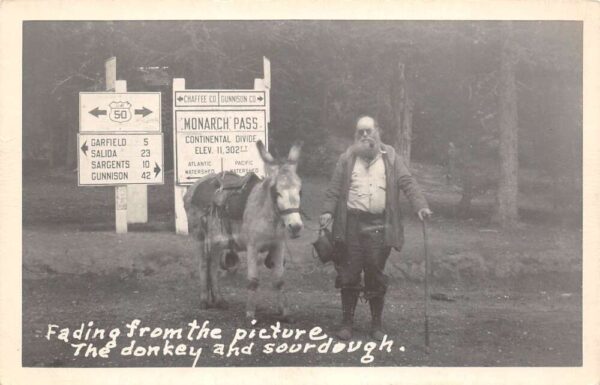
(349, 300)
(376, 305)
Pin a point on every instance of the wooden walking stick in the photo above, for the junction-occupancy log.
(425, 246)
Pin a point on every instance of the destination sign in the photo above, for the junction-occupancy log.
(120, 159)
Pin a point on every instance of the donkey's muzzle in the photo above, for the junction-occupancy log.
(294, 229)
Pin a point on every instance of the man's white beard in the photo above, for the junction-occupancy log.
(367, 149)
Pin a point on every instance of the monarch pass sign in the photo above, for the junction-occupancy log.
(217, 131)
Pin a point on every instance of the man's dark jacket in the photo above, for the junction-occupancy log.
(397, 178)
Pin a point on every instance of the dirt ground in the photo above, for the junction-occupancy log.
(504, 297)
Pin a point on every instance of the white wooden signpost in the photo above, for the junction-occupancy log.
(216, 130)
(120, 144)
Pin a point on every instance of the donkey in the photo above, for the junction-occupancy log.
(272, 210)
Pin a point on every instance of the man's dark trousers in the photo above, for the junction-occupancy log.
(365, 252)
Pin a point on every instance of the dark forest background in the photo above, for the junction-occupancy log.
(482, 99)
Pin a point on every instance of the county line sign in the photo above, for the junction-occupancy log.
(119, 112)
(220, 98)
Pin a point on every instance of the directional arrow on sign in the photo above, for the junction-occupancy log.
(144, 112)
(260, 98)
(180, 99)
(156, 169)
(97, 112)
(84, 148)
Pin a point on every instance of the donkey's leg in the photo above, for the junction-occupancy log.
(278, 257)
(204, 256)
(251, 257)
(216, 297)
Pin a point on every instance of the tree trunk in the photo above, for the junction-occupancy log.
(464, 206)
(72, 149)
(402, 108)
(54, 127)
(506, 210)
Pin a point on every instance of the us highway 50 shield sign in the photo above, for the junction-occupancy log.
(119, 112)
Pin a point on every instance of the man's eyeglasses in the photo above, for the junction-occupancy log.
(364, 131)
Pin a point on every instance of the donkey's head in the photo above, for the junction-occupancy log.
(285, 186)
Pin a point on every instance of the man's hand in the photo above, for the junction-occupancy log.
(424, 214)
(325, 219)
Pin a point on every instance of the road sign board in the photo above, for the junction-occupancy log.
(120, 159)
(218, 140)
(220, 120)
(220, 98)
(119, 112)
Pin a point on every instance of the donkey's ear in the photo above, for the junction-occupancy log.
(264, 154)
(294, 154)
(267, 184)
